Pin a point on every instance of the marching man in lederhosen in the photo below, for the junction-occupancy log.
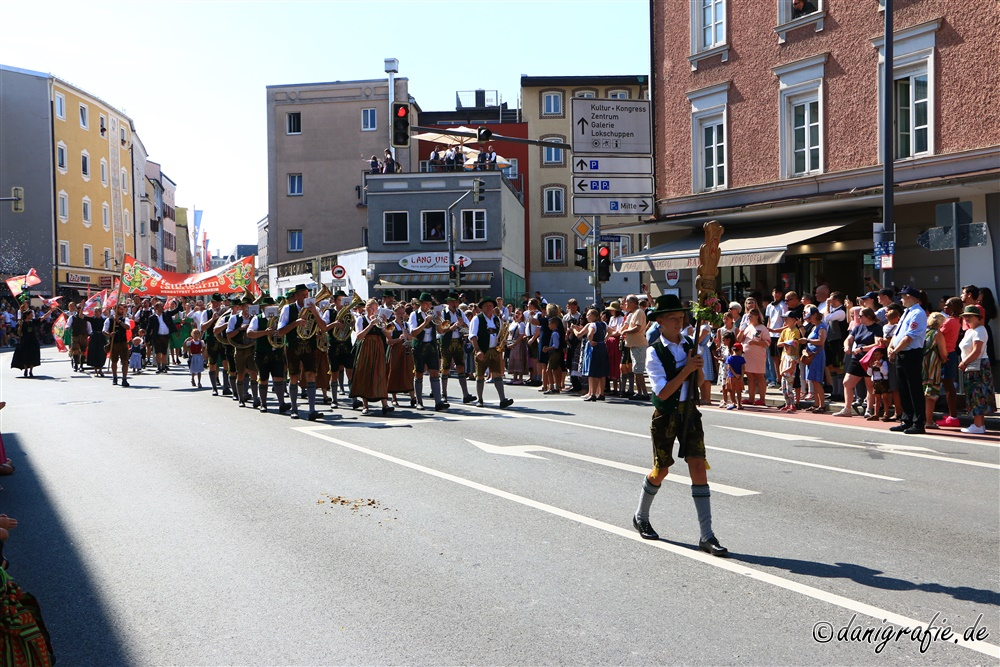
(246, 367)
(340, 352)
(300, 354)
(116, 329)
(672, 360)
(270, 360)
(425, 351)
(483, 331)
(453, 348)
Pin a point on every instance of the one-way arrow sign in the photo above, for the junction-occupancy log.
(588, 205)
(627, 185)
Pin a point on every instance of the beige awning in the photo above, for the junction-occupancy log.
(740, 247)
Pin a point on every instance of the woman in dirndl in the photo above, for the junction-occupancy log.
(399, 358)
(615, 321)
(517, 362)
(28, 352)
(96, 354)
(370, 379)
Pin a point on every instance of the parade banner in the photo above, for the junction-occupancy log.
(18, 284)
(139, 278)
(59, 332)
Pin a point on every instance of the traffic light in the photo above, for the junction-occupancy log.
(17, 206)
(455, 275)
(400, 125)
(582, 258)
(477, 190)
(604, 263)
(484, 134)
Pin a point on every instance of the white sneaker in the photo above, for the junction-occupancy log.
(974, 430)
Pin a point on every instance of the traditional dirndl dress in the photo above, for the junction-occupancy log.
(400, 362)
(135, 356)
(195, 349)
(517, 363)
(371, 377)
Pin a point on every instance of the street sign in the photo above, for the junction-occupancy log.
(613, 185)
(611, 126)
(628, 206)
(338, 272)
(612, 164)
(337, 284)
(887, 262)
(970, 235)
(582, 228)
(611, 238)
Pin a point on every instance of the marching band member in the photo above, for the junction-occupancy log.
(400, 358)
(243, 353)
(270, 360)
(453, 348)
(370, 376)
(228, 358)
(340, 353)
(425, 351)
(300, 354)
(116, 328)
(206, 321)
(483, 331)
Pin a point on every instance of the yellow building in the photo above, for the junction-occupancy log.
(93, 189)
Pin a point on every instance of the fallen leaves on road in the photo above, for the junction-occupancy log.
(356, 505)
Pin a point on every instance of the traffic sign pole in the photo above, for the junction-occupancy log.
(597, 280)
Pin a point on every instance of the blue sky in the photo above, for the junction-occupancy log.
(192, 75)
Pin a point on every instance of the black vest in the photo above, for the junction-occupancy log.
(292, 337)
(79, 326)
(261, 345)
(418, 339)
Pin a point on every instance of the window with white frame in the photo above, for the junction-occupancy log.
(552, 103)
(103, 122)
(293, 122)
(105, 216)
(432, 227)
(555, 248)
(913, 82)
(588, 94)
(104, 172)
(63, 206)
(88, 255)
(708, 137)
(295, 185)
(621, 247)
(294, 240)
(551, 156)
(85, 210)
(107, 259)
(794, 14)
(60, 106)
(125, 181)
(64, 252)
(61, 156)
(618, 94)
(368, 120)
(710, 19)
(800, 89)
(510, 171)
(397, 226)
(474, 225)
(84, 116)
(85, 165)
(554, 200)
(912, 113)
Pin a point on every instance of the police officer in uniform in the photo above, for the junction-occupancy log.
(269, 359)
(425, 351)
(453, 348)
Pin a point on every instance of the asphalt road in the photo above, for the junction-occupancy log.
(160, 525)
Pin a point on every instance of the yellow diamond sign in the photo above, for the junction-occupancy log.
(582, 228)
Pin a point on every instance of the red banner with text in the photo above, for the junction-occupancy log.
(139, 278)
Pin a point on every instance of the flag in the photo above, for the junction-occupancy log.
(51, 303)
(59, 331)
(112, 299)
(95, 304)
(18, 284)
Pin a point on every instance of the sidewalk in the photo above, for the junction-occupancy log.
(774, 399)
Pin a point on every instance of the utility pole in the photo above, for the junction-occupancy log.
(597, 275)
(391, 68)
(888, 234)
(451, 228)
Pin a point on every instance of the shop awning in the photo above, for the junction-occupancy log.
(433, 281)
(751, 246)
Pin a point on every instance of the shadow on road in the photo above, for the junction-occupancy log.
(868, 577)
(44, 561)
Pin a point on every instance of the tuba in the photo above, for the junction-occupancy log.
(276, 340)
(220, 334)
(310, 328)
(346, 315)
(502, 336)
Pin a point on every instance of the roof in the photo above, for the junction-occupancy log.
(617, 80)
(335, 83)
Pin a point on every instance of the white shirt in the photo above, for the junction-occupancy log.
(253, 324)
(968, 341)
(656, 372)
(231, 324)
(492, 325)
(164, 330)
(283, 319)
(773, 313)
(428, 332)
(108, 323)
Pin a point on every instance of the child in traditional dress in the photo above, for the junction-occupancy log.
(195, 347)
(137, 351)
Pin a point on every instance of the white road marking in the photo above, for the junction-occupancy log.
(811, 465)
(732, 566)
(888, 449)
(522, 451)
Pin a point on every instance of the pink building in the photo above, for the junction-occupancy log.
(768, 121)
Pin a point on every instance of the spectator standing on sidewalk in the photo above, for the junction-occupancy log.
(788, 343)
(635, 341)
(755, 340)
(814, 358)
(935, 354)
(774, 314)
(907, 349)
(894, 312)
(952, 332)
(860, 341)
(974, 359)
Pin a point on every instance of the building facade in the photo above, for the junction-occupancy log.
(260, 263)
(554, 230)
(320, 137)
(775, 132)
(184, 260)
(409, 228)
(169, 214)
(141, 210)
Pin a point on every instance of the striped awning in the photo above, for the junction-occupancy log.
(434, 281)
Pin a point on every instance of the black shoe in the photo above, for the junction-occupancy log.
(480, 404)
(388, 410)
(441, 407)
(914, 430)
(506, 403)
(283, 408)
(899, 427)
(859, 408)
(468, 398)
(114, 380)
(215, 392)
(313, 416)
(326, 400)
(227, 392)
(125, 383)
(256, 404)
(356, 404)
(601, 397)
(263, 408)
(335, 403)
(712, 546)
(645, 530)
(295, 415)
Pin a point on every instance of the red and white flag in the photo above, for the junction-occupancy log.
(18, 284)
(95, 304)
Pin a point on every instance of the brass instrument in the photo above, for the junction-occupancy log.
(242, 341)
(346, 315)
(502, 336)
(309, 329)
(276, 340)
(220, 332)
